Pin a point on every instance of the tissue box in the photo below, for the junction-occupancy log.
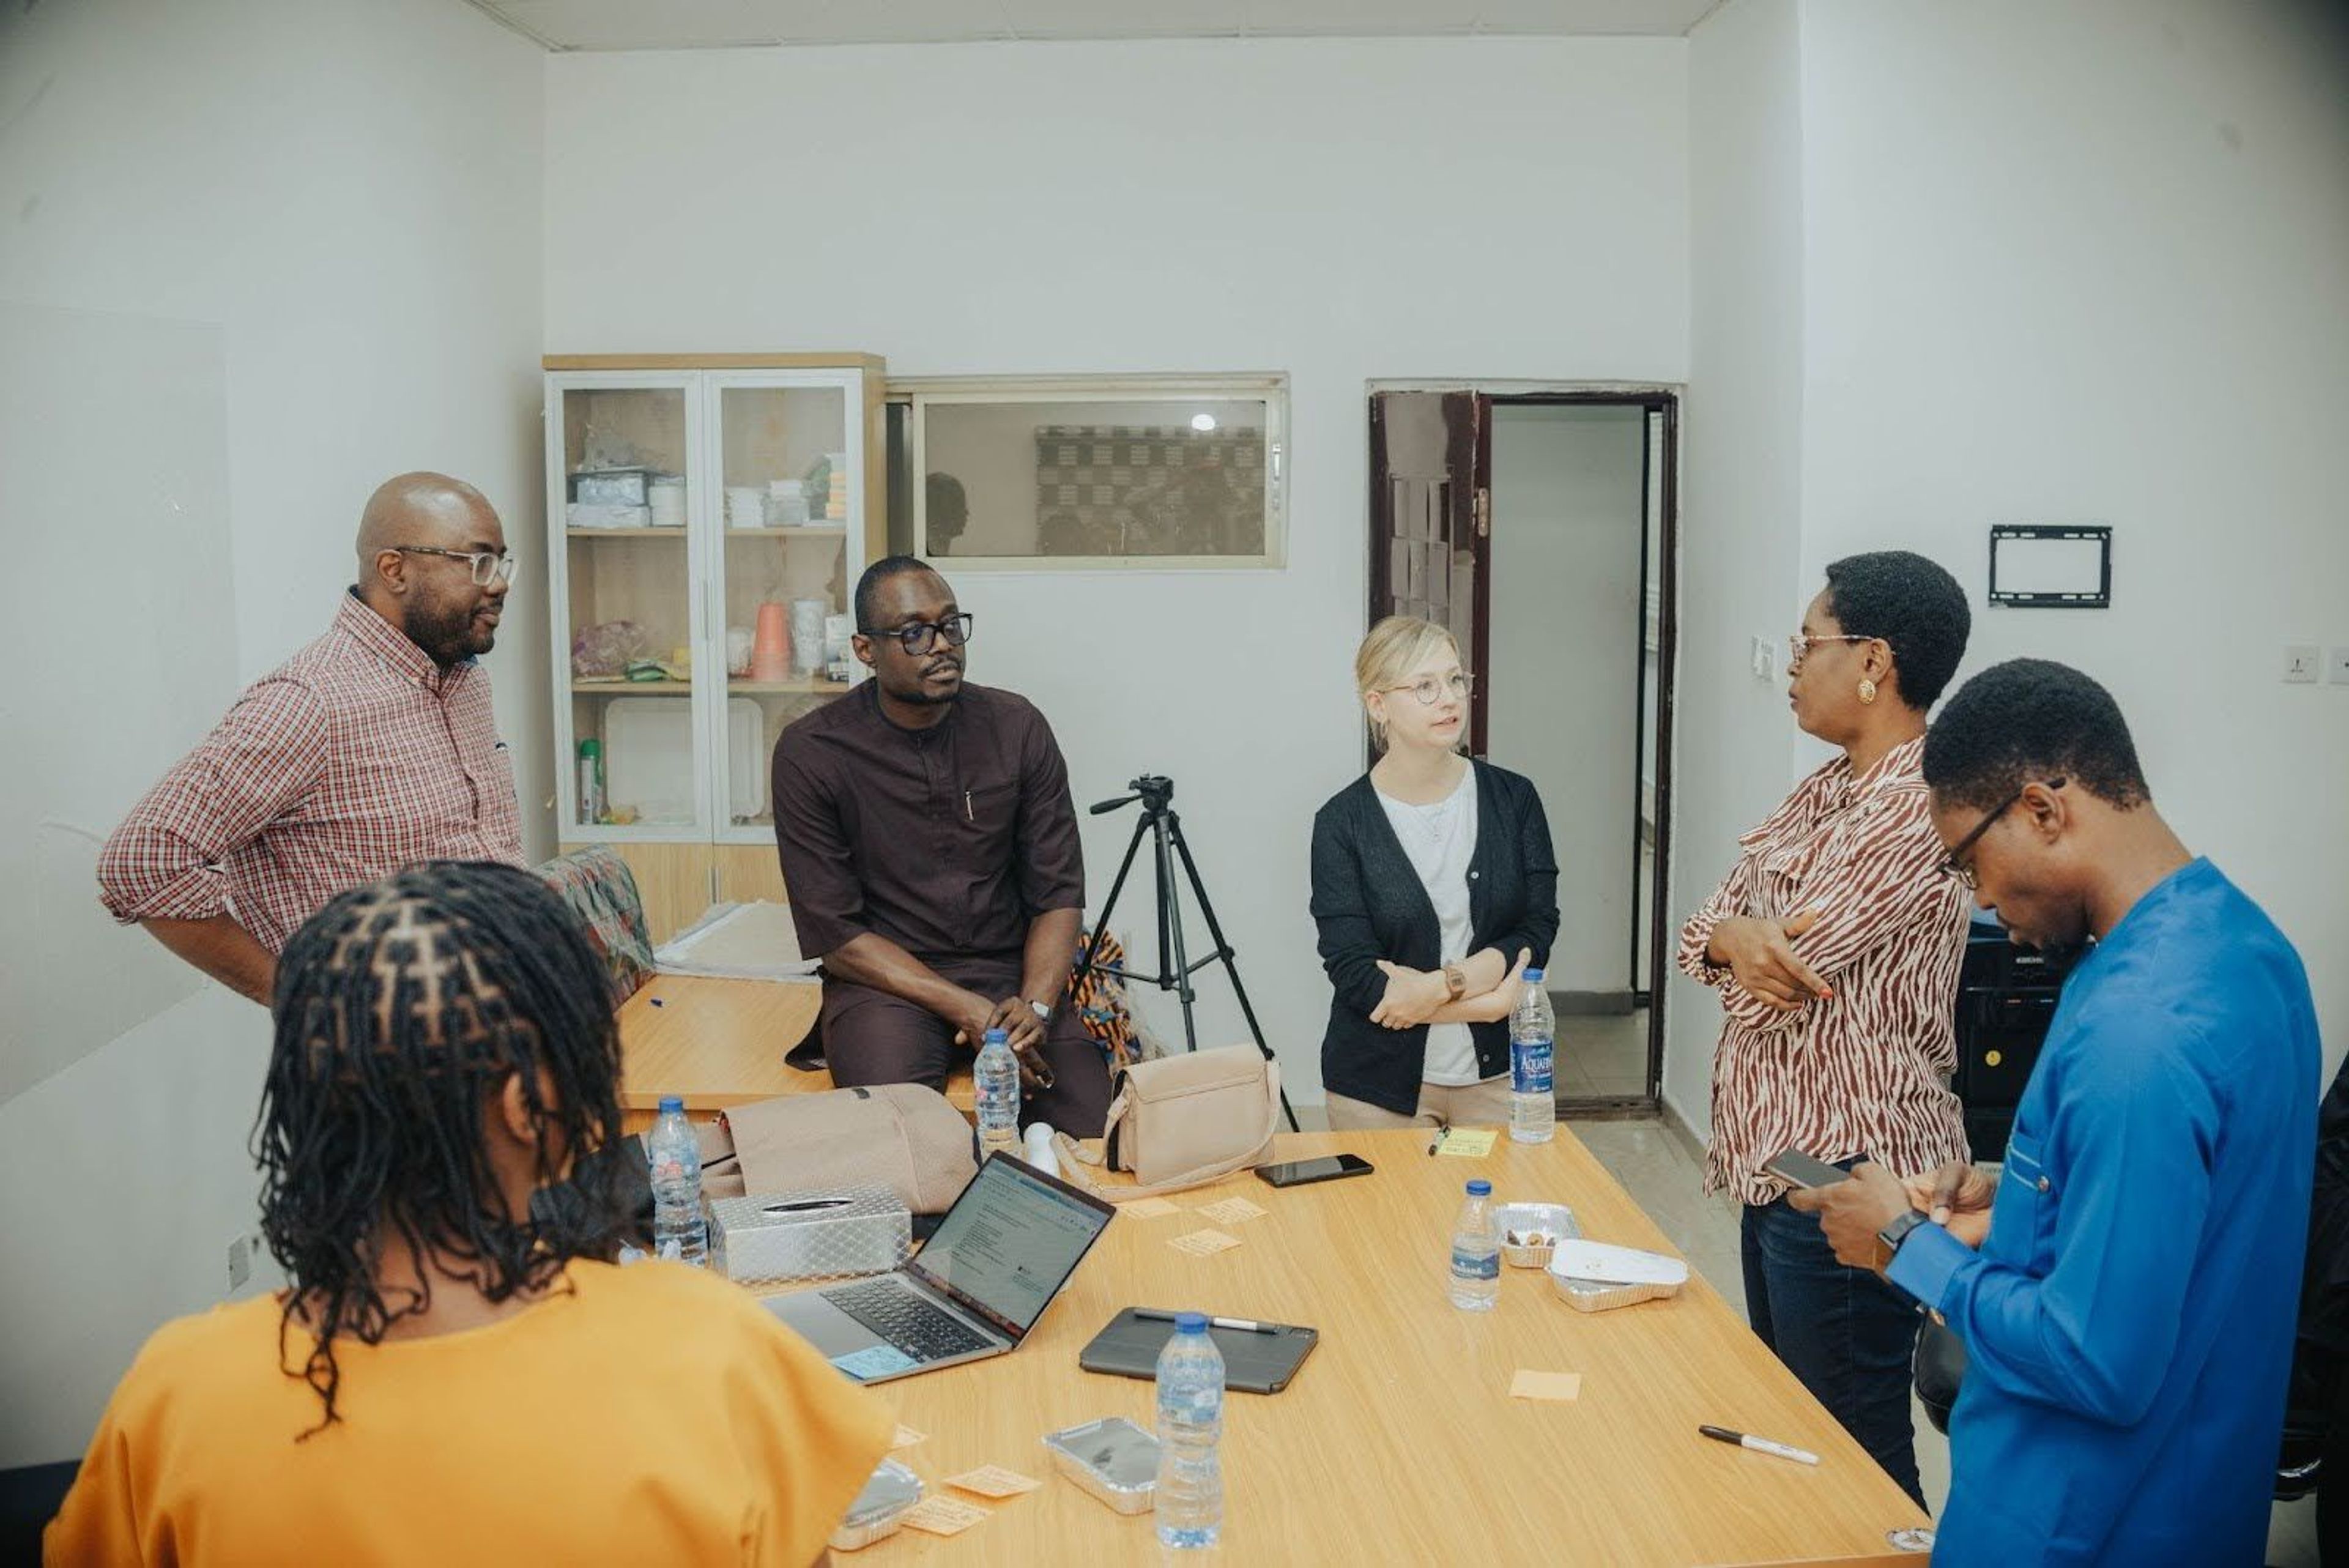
(809, 1235)
(613, 487)
(593, 514)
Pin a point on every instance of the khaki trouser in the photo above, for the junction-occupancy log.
(1485, 1104)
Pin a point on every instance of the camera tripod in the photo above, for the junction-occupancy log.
(1165, 829)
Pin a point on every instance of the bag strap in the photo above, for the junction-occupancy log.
(1072, 1154)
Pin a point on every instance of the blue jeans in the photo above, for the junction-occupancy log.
(1847, 1335)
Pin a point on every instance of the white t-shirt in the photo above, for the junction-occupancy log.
(1439, 840)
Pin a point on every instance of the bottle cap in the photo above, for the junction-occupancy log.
(995, 1038)
(1480, 1187)
(1532, 977)
(591, 748)
(1190, 1323)
(672, 1103)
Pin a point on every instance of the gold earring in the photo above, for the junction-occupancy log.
(1867, 690)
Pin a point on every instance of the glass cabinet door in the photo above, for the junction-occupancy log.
(618, 492)
(787, 544)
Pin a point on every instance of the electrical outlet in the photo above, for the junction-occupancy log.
(240, 1261)
(2338, 663)
(2300, 663)
(1764, 658)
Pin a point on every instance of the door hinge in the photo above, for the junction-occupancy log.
(1483, 511)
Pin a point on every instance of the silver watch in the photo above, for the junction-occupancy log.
(1043, 1013)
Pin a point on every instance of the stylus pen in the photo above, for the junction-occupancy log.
(1759, 1445)
(1241, 1324)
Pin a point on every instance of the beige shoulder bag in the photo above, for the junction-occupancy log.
(1183, 1121)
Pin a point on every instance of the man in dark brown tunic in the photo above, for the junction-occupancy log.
(930, 848)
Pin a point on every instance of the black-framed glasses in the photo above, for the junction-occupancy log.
(487, 567)
(1432, 689)
(922, 635)
(1959, 861)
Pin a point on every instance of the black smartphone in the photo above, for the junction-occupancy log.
(1301, 1172)
(1793, 1165)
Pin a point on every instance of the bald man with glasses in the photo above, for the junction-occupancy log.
(930, 848)
(372, 748)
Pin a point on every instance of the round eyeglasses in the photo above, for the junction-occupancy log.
(1432, 689)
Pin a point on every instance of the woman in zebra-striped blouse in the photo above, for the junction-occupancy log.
(1834, 942)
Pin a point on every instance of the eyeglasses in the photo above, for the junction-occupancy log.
(1799, 646)
(1431, 690)
(487, 568)
(1957, 862)
(922, 635)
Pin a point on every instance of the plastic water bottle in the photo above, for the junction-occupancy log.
(673, 1157)
(996, 1084)
(1476, 1251)
(1189, 1496)
(1533, 1059)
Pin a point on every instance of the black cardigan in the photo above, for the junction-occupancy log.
(1369, 904)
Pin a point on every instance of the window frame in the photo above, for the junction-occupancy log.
(921, 393)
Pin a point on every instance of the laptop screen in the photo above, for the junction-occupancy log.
(1009, 1241)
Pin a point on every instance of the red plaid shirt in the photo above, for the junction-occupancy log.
(355, 757)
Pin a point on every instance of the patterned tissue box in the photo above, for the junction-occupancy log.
(809, 1235)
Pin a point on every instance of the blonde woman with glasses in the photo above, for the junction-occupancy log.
(1435, 888)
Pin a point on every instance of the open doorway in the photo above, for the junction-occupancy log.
(1540, 527)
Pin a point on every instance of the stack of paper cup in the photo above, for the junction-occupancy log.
(668, 498)
(770, 656)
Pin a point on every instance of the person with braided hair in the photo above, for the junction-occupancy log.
(451, 1375)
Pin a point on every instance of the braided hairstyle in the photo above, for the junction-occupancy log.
(403, 1009)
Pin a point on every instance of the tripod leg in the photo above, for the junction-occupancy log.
(1175, 958)
(1100, 926)
(1223, 951)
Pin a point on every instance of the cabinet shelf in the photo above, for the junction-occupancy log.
(815, 686)
(791, 531)
(631, 687)
(676, 533)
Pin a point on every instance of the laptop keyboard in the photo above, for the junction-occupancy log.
(906, 1320)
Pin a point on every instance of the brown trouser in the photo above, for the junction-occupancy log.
(872, 1037)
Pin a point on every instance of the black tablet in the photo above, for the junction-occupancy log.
(1254, 1362)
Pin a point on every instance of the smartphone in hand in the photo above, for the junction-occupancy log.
(1804, 1171)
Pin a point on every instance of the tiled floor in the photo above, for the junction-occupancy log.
(1660, 1168)
(1601, 1057)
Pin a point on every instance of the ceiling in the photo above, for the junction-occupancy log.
(564, 25)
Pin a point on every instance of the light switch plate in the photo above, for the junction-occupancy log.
(1764, 658)
(2300, 663)
(2337, 663)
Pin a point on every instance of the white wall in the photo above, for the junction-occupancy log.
(1565, 630)
(1742, 502)
(349, 193)
(1339, 210)
(2091, 262)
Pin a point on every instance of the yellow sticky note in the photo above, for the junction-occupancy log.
(1560, 1386)
(1203, 1243)
(1468, 1143)
(907, 1437)
(943, 1515)
(994, 1480)
(1232, 1211)
(1149, 1208)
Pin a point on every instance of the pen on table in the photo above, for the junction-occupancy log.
(1241, 1324)
(1759, 1445)
(1438, 1141)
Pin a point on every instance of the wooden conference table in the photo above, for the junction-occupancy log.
(720, 1042)
(1398, 1441)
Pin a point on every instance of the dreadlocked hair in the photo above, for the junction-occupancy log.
(402, 1009)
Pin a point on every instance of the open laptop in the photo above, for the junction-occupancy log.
(973, 1290)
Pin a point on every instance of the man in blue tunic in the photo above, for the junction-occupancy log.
(2126, 1286)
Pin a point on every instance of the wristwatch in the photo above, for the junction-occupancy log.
(1889, 1240)
(1455, 982)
